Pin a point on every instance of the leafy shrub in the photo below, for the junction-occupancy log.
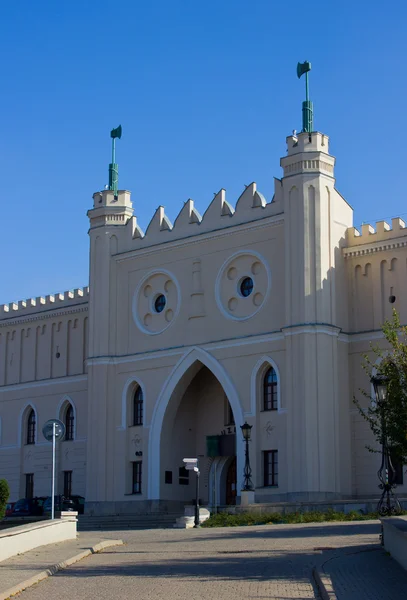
(224, 519)
(4, 496)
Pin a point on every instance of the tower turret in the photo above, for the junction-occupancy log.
(315, 221)
(112, 209)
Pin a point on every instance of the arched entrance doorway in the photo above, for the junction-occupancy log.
(195, 425)
(193, 407)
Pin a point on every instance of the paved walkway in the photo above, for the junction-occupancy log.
(369, 574)
(20, 568)
(268, 562)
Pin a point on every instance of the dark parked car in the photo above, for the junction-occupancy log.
(9, 508)
(74, 503)
(28, 507)
(80, 503)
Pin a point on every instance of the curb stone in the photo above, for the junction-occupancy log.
(16, 589)
(324, 584)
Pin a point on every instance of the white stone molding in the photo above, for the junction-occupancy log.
(29, 385)
(159, 321)
(134, 379)
(374, 247)
(194, 355)
(201, 238)
(255, 385)
(22, 425)
(61, 410)
(40, 316)
(222, 295)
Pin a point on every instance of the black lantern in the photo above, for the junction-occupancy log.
(247, 471)
(388, 503)
(246, 431)
(380, 383)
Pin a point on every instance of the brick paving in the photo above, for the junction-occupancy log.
(267, 562)
(24, 566)
(370, 574)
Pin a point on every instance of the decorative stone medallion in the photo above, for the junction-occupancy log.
(156, 302)
(242, 285)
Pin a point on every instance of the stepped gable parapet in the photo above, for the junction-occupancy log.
(160, 222)
(220, 214)
(40, 304)
(188, 215)
(219, 207)
(137, 232)
(383, 232)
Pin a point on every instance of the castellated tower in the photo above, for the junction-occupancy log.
(315, 222)
(111, 211)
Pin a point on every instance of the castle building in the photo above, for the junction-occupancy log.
(257, 313)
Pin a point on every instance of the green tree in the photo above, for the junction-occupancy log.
(389, 418)
(4, 496)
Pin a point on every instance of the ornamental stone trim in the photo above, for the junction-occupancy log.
(41, 316)
(238, 268)
(148, 316)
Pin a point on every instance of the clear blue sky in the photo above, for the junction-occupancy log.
(206, 93)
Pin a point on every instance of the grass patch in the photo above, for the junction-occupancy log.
(224, 519)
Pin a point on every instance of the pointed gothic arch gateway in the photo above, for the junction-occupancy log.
(175, 386)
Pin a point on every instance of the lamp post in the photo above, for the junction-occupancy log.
(247, 471)
(388, 503)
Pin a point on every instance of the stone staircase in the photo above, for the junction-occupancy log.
(124, 522)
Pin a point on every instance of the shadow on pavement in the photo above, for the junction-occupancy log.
(286, 532)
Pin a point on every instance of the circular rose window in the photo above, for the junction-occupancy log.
(242, 285)
(156, 302)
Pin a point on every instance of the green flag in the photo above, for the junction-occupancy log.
(116, 133)
(303, 68)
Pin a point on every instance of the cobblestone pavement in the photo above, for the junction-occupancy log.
(268, 562)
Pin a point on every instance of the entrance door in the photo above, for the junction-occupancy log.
(231, 483)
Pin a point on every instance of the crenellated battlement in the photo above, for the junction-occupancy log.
(381, 233)
(44, 303)
(250, 206)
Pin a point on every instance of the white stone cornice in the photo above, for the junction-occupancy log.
(39, 316)
(199, 238)
(313, 328)
(208, 346)
(30, 385)
(374, 247)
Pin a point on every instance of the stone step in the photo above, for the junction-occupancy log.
(159, 521)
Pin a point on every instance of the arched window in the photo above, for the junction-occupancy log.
(138, 407)
(31, 427)
(69, 423)
(270, 390)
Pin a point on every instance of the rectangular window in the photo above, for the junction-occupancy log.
(168, 476)
(183, 476)
(67, 484)
(29, 485)
(270, 463)
(138, 407)
(270, 400)
(137, 472)
(31, 429)
(69, 425)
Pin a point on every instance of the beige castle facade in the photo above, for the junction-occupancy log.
(257, 313)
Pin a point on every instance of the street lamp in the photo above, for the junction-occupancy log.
(388, 503)
(247, 472)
